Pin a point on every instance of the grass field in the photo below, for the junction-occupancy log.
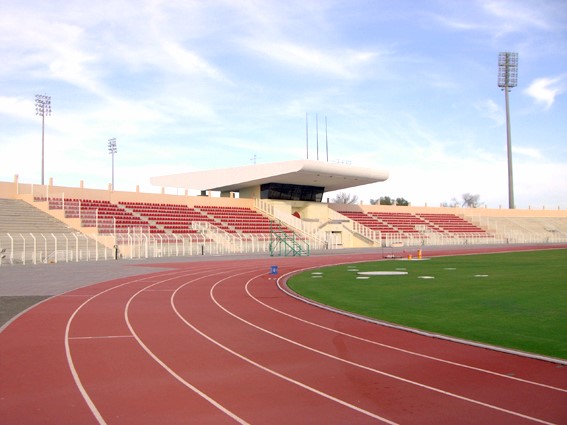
(514, 300)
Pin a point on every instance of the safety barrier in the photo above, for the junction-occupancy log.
(37, 248)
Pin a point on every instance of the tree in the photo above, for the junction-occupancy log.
(345, 198)
(454, 203)
(471, 201)
(383, 200)
(386, 200)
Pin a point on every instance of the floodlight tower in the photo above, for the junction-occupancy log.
(508, 78)
(42, 108)
(112, 150)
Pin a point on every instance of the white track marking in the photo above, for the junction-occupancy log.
(69, 356)
(252, 362)
(101, 337)
(428, 387)
(165, 366)
(70, 362)
(403, 350)
(97, 415)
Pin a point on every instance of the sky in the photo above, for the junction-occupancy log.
(409, 86)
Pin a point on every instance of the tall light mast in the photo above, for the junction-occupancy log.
(508, 78)
(112, 150)
(43, 109)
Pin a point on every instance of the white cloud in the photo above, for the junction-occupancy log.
(500, 18)
(189, 62)
(17, 107)
(516, 16)
(538, 182)
(491, 110)
(48, 47)
(342, 63)
(456, 23)
(527, 152)
(545, 90)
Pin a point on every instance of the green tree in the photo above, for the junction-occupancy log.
(386, 200)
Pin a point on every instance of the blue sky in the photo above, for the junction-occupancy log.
(409, 86)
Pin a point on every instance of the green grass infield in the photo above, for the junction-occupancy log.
(513, 300)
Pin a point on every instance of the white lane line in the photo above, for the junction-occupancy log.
(273, 372)
(490, 372)
(70, 362)
(101, 337)
(389, 375)
(164, 365)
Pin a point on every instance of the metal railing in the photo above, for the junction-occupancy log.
(317, 239)
(35, 248)
(436, 239)
(38, 248)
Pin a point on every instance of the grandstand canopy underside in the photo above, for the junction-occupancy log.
(305, 178)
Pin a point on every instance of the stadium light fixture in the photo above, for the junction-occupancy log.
(112, 150)
(508, 78)
(43, 109)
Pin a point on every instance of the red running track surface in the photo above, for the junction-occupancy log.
(219, 342)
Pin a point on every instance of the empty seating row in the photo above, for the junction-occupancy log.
(243, 220)
(106, 216)
(452, 223)
(369, 221)
(162, 217)
(409, 223)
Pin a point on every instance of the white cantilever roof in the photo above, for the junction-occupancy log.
(301, 172)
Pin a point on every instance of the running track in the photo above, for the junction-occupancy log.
(219, 342)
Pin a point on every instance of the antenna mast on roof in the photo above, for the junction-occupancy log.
(326, 139)
(317, 130)
(307, 134)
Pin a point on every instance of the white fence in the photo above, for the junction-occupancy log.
(434, 239)
(37, 248)
(34, 248)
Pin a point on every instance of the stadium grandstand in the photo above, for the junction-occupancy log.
(276, 209)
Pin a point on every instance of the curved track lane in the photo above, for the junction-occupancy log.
(219, 342)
